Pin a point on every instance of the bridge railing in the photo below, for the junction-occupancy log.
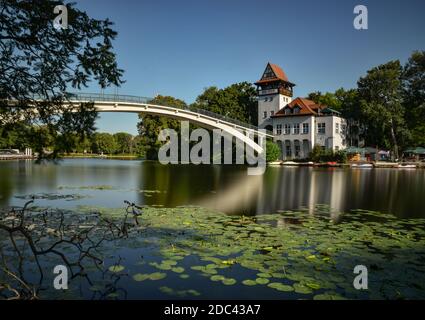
(91, 97)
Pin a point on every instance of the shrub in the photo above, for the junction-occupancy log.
(273, 152)
(318, 154)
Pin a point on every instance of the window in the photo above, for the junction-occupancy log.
(264, 114)
(279, 129)
(296, 110)
(305, 128)
(321, 128)
(287, 128)
(343, 128)
(287, 111)
(336, 127)
(296, 128)
(297, 151)
(288, 151)
(271, 113)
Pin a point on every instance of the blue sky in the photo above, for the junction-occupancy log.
(178, 48)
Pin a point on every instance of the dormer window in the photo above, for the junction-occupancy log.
(287, 111)
(297, 110)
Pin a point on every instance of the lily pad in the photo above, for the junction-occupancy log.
(116, 268)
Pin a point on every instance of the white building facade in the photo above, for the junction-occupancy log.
(298, 124)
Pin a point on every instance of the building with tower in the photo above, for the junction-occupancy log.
(298, 124)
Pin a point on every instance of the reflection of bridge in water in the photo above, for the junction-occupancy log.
(124, 103)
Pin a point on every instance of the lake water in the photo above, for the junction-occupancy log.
(213, 232)
(225, 188)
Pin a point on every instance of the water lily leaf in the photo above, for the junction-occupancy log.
(262, 280)
(280, 287)
(229, 281)
(157, 276)
(178, 269)
(140, 277)
(300, 288)
(313, 285)
(116, 268)
(249, 282)
(217, 277)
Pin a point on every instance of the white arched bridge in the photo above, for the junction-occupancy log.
(124, 103)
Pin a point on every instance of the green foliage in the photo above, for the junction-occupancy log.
(414, 98)
(237, 101)
(150, 126)
(380, 93)
(104, 142)
(281, 261)
(14, 136)
(124, 142)
(387, 109)
(319, 154)
(36, 60)
(273, 151)
(327, 99)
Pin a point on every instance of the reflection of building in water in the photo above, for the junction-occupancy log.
(237, 197)
(293, 188)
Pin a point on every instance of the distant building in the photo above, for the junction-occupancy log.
(298, 124)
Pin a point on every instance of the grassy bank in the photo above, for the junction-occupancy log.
(104, 156)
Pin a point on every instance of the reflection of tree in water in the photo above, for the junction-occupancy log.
(31, 238)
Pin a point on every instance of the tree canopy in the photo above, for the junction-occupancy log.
(387, 108)
(39, 64)
(414, 97)
(150, 126)
(237, 101)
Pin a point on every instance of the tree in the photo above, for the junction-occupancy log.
(238, 101)
(414, 97)
(138, 146)
(124, 142)
(328, 99)
(380, 94)
(150, 126)
(273, 151)
(104, 143)
(39, 63)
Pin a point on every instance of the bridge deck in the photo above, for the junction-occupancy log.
(94, 97)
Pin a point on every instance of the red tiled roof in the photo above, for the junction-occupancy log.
(279, 73)
(307, 107)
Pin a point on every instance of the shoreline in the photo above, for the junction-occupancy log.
(355, 165)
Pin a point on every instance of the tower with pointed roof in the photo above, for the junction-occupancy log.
(274, 92)
(297, 124)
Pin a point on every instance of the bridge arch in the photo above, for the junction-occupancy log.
(203, 118)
